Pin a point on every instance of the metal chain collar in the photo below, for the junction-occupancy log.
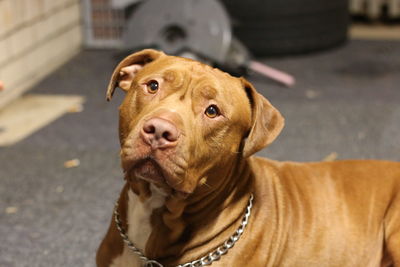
(206, 260)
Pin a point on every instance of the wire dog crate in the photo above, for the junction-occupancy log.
(374, 8)
(103, 23)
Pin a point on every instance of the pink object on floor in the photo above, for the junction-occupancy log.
(272, 73)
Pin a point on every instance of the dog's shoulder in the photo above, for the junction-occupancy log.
(346, 173)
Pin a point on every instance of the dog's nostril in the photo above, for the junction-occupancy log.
(150, 129)
(168, 136)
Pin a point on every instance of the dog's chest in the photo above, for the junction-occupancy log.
(139, 228)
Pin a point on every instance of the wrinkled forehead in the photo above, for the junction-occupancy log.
(196, 79)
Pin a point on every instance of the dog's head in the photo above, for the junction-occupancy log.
(182, 121)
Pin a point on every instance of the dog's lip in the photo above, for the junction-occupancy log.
(138, 163)
(163, 182)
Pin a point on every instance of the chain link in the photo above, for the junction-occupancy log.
(204, 261)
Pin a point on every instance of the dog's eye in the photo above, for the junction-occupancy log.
(152, 86)
(212, 111)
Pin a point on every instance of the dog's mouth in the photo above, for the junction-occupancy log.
(150, 170)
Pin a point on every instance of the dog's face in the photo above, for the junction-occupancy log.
(182, 120)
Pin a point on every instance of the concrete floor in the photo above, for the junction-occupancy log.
(346, 101)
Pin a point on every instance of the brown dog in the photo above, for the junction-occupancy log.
(187, 133)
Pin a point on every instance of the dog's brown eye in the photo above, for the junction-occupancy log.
(152, 87)
(212, 111)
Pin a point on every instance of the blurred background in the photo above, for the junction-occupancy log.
(331, 67)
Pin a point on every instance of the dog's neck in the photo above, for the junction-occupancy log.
(174, 224)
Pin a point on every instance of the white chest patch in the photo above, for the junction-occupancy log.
(139, 228)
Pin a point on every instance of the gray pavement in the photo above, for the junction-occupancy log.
(346, 101)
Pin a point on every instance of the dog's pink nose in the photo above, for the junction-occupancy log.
(160, 133)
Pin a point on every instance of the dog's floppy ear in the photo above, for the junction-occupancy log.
(267, 122)
(126, 70)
